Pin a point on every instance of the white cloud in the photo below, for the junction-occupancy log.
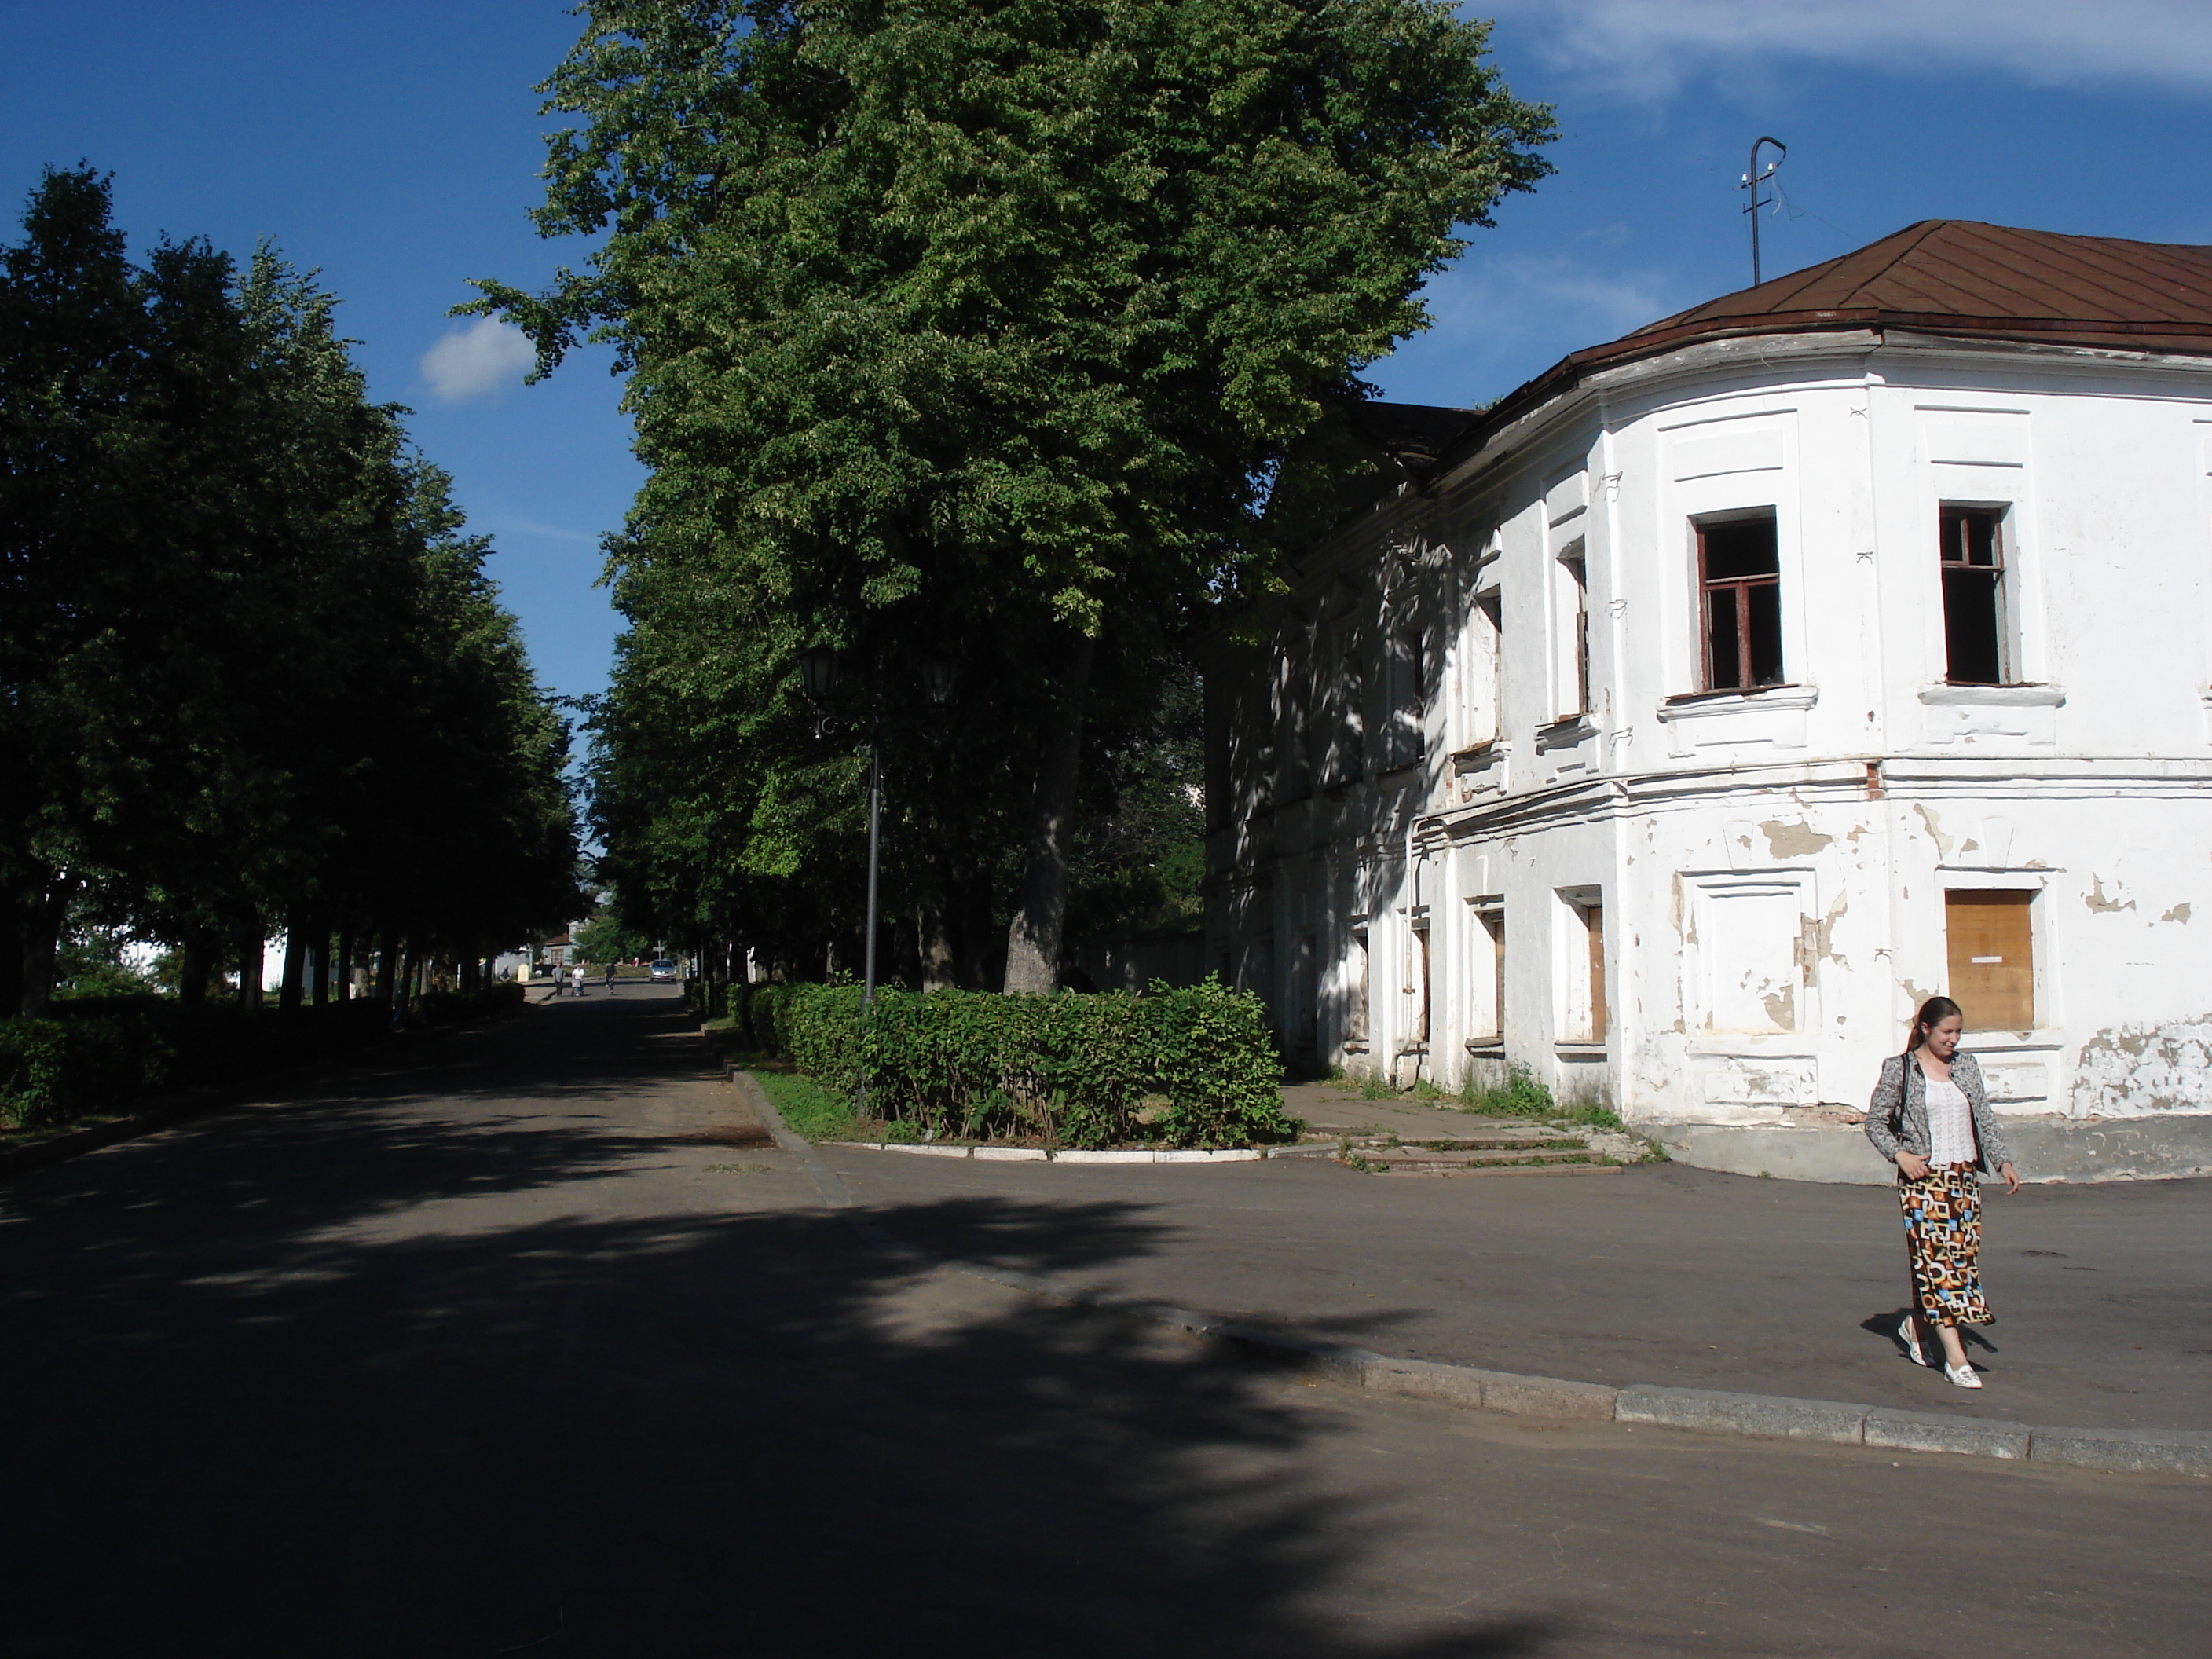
(477, 360)
(1652, 45)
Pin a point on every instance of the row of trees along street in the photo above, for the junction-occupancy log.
(254, 675)
(997, 345)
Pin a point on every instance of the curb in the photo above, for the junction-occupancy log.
(1039, 1155)
(1770, 1417)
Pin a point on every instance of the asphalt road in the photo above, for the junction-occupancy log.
(525, 1344)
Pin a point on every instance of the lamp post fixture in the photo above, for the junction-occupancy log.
(817, 670)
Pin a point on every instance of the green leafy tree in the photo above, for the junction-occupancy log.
(254, 674)
(1010, 329)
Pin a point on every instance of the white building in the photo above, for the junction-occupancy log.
(1674, 726)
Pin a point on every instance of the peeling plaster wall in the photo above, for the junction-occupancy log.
(1773, 866)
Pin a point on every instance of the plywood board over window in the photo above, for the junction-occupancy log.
(1485, 977)
(1992, 957)
(1583, 966)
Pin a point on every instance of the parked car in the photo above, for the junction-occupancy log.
(664, 968)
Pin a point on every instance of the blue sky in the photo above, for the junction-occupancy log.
(395, 145)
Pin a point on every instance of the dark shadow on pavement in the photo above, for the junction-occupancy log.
(359, 1379)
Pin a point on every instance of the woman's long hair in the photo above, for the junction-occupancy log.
(1933, 1012)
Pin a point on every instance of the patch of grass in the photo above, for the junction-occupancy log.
(1521, 1096)
(1366, 1084)
(811, 1110)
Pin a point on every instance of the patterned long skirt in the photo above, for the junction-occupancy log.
(1943, 1236)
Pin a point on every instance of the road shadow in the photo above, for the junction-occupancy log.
(353, 1381)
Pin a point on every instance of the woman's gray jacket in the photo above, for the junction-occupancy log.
(1893, 1122)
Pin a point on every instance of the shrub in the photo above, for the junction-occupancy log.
(96, 1054)
(709, 998)
(767, 1015)
(1074, 1070)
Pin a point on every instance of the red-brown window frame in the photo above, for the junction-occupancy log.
(1741, 587)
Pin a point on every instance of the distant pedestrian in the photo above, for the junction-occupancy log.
(576, 978)
(611, 979)
(1930, 1117)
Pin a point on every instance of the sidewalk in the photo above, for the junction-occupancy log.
(1661, 1275)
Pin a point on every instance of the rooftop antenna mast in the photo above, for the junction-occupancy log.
(1752, 179)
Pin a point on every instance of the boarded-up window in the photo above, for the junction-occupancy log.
(1486, 975)
(1346, 756)
(1356, 1020)
(1593, 927)
(1294, 696)
(1307, 989)
(1992, 958)
(1582, 967)
(1480, 678)
(1417, 978)
(1402, 741)
(1572, 665)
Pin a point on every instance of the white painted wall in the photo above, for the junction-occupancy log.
(1771, 866)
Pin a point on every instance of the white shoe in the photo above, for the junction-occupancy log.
(1963, 1377)
(1905, 1334)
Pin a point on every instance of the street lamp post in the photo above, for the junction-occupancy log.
(817, 669)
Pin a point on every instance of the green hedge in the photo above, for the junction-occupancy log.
(709, 998)
(53, 1070)
(768, 1015)
(1193, 1066)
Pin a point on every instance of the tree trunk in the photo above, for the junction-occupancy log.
(296, 967)
(15, 929)
(249, 943)
(387, 970)
(44, 917)
(195, 961)
(319, 979)
(1034, 938)
(933, 941)
(344, 989)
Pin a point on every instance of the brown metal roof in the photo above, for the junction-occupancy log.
(1950, 277)
(1955, 268)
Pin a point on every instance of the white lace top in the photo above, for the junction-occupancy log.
(1950, 1124)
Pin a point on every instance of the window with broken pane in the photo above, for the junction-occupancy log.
(1974, 572)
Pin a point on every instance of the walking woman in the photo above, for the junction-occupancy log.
(1931, 1118)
